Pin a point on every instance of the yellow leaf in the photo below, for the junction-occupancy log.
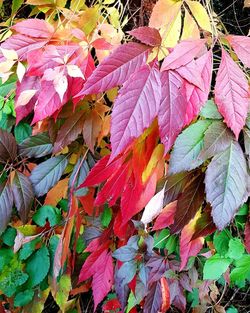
(62, 294)
(114, 17)
(9, 54)
(190, 28)
(76, 5)
(200, 14)
(37, 304)
(58, 192)
(88, 20)
(27, 230)
(40, 2)
(156, 156)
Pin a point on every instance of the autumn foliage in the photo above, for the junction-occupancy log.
(124, 158)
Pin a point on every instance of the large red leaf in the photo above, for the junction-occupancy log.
(173, 107)
(231, 93)
(241, 45)
(34, 28)
(116, 68)
(135, 108)
(183, 53)
(148, 35)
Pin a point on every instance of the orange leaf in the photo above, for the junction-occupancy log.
(58, 192)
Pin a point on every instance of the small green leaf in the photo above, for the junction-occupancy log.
(9, 236)
(47, 213)
(210, 111)
(215, 266)
(236, 249)
(160, 238)
(232, 309)
(172, 244)
(8, 86)
(64, 287)
(22, 131)
(28, 248)
(193, 297)
(23, 298)
(221, 242)
(243, 210)
(241, 272)
(38, 266)
(106, 216)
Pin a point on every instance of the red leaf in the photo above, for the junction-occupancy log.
(148, 35)
(165, 295)
(34, 28)
(196, 97)
(183, 53)
(135, 108)
(116, 68)
(166, 217)
(172, 108)
(241, 45)
(231, 93)
(247, 235)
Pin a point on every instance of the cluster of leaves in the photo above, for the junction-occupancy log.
(127, 175)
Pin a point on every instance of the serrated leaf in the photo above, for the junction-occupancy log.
(36, 146)
(47, 212)
(37, 266)
(6, 203)
(226, 184)
(215, 266)
(47, 174)
(22, 131)
(148, 35)
(23, 195)
(8, 146)
(242, 270)
(141, 97)
(241, 45)
(187, 148)
(116, 68)
(235, 249)
(221, 242)
(24, 297)
(28, 248)
(231, 93)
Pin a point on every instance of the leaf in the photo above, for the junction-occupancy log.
(78, 176)
(47, 212)
(24, 297)
(47, 174)
(36, 146)
(149, 36)
(125, 253)
(22, 131)
(141, 96)
(62, 294)
(172, 110)
(215, 266)
(231, 93)
(166, 217)
(23, 195)
(189, 203)
(116, 68)
(190, 29)
(210, 111)
(217, 139)
(153, 208)
(106, 216)
(34, 28)
(153, 301)
(235, 249)
(241, 45)
(226, 184)
(242, 269)
(204, 225)
(8, 146)
(187, 148)
(221, 242)
(57, 192)
(247, 235)
(6, 203)
(37, 267)
(69, 131)
(183, 53)
(16, 4)
(200, 15)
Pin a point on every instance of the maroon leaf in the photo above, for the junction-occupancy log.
(6, 203)
(148, 35)
(204, 225)
(8, 146)
(231, 93)
(116, 68)
(135, 108)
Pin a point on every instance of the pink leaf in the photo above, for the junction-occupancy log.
(148, 35)
(183, 53)
(247, 235)
(135, 108)
(172, 108)
(34, 28)
(241, 45)
(166, 217)
(116, 68)
(196, 97)
(231, 93)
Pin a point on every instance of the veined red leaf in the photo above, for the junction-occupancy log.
(23, 195)
(6, 203)
(183, 53)
(34, 28)
(135, 108)
(196, 97)
(173, 108)
(231, 93)
(166, 217)
(116, 68)
(148, 35)
(8, 146)
(226, 184)
(241, 45)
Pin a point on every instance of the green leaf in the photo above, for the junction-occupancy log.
(47, 174)
(243, 210)
(16, 5)
(210, 111)
(215, 266)
(193, 297)
(37, 267)
(53, 243)
(9, 236)
(236, 249)
(47, 213)
(36, 146)
(23, 298)
(8, 86)
(187, 148)
(221, 242)
(241, 272)
(232, 309)
(6, 121)
(106, 216)
(172, 244)
(160, 238)
(28, 248)
(64, 287)
(22, 131)
(226, 184)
